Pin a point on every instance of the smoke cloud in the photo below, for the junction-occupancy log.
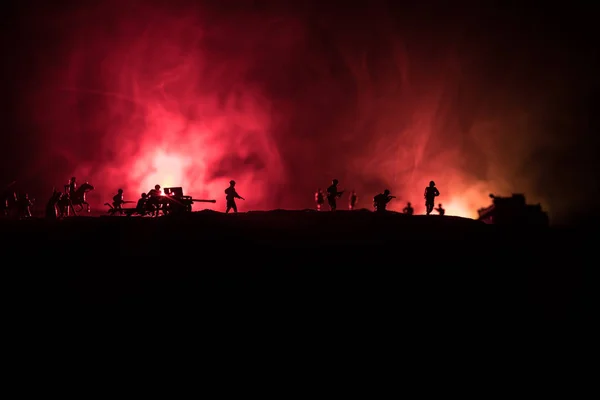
(284, 99)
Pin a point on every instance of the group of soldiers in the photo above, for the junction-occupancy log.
(152, 202)
(60, 204)
(380, 201)
(16, 206)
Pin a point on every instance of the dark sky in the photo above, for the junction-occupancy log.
(482, 96)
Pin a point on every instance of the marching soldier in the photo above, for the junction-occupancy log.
(431, 192)
(333, 194)
(230, 196)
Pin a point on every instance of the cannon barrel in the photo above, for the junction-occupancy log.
(204, 201)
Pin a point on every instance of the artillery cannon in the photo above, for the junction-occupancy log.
(174, 201)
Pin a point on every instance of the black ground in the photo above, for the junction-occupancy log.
(321, 264)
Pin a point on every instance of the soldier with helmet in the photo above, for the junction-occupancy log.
(333, 194)
(141, 207)
(381, 200)
(230, 196)
(154, 199)
(431, 192)
(118, 200)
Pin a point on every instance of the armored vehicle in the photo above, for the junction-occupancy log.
(513, 210)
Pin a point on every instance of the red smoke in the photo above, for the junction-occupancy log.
(279, 101)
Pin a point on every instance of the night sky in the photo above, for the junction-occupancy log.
(284, 96)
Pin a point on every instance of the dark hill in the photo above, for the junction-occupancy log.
(286, 261)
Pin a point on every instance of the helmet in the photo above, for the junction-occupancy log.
(120, 191)
(157, 187)
(432, 183)
(73, 178)
(232, 182)
(386, 191)
(144, 195)
(335, 181)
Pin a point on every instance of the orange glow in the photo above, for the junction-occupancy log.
(460, 208)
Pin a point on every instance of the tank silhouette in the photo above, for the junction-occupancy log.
(513, 210)
(174, 201)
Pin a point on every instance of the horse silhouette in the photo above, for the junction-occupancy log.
(77, 199)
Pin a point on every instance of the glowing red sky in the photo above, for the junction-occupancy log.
(280, 101)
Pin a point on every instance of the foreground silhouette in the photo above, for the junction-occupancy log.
(322, 262)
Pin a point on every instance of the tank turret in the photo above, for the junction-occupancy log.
(513, 210)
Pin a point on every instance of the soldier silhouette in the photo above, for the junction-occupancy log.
(440, 210)
(319, 199)
(431, 192)
(24, 204)
(333, 194)
(408, 210)
(72, 187)
(352, 200)
(154, 199)
(381, 200)
(141, 207)
(51, 206)
(230, 196)
(118, 200)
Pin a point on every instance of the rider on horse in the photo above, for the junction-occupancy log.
(72, 186)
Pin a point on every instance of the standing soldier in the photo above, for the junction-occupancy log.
(352, 200)
(431, 192)
(333, 194)
(319, 199)
(24, 206)
(230, 196)
(51, 211)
